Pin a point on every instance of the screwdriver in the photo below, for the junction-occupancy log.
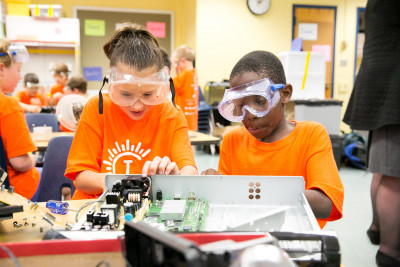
(58, 207)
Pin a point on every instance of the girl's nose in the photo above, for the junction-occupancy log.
(138, 105)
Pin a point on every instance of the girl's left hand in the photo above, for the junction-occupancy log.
(160, 166)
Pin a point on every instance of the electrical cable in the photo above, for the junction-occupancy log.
(84, 206)
(11, 255)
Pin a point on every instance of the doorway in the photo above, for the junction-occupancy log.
(322, 21)
(360, 39)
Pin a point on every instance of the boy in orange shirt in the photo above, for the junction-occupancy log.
(186, 85)
(134, 128)
(60, 74)
(30, 99)
(13, 128)
(268, 144)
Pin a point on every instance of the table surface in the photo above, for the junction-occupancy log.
(196, 138)
(31, 225)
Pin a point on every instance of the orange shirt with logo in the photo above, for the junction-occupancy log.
(17, 142)
(114, 143)
(307, 152)
(23, 97)
(187, 96)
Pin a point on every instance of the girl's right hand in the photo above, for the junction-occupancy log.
(160, 166)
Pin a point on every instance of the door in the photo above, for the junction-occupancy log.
(321, 21)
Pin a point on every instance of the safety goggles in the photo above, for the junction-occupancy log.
(125, 89)
(19, 53)
(258, 98)
(32, 86)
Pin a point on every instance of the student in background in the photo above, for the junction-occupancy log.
(60, 74)
(186, 84)
(76, 85)
(30, 99)
(167, 63)
(13, 128)
(134, 128)
(268, 144)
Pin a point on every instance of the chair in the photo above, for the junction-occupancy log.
(42, 119)
(3, 162)
(205, 117)
(53, 180)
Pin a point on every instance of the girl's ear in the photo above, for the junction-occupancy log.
(286, 93)
(2, 68)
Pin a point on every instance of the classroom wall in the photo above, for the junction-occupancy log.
(226, 30)
(222, 31)
(184, 12)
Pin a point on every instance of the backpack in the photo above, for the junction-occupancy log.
(355, 150)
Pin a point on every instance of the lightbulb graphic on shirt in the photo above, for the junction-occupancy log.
(127, 154)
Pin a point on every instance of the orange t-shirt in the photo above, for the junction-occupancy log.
(307, 152)
(24, 98)
(57, 88)
(17, 142)
(187, 96)
(114, 143)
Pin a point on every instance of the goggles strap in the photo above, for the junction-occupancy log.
(172, 87)
(105, 79)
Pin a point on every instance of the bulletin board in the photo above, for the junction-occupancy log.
(97, 25)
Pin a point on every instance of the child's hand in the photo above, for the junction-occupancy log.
(34, 109)
(160, 166)
(58, 95)
(36, 101)
(211, 172)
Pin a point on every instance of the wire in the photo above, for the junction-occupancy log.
(103, 262)
(84, 206)
(11, 255)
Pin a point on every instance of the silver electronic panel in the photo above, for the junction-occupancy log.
(241, 203)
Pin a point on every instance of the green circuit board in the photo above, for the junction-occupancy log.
(193, 218)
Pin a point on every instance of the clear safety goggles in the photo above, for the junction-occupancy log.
(33, 86)
(125, 89)
(19, 53)
(258, 98)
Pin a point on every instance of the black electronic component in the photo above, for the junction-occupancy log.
(89, 216)
(100, 218)
(117, 187)
(159, 195)
(113, 198)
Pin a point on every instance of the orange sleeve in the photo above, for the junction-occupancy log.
(224, 165)
(181, 150)
(322, 172)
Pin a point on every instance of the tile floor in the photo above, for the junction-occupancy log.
(356, 249)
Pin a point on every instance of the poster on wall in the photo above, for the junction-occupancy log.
(156, 28)
(95, 27)
(308, 31)
(93, 74)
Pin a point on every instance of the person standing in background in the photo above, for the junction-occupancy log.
(375, 106)
(186, 84)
